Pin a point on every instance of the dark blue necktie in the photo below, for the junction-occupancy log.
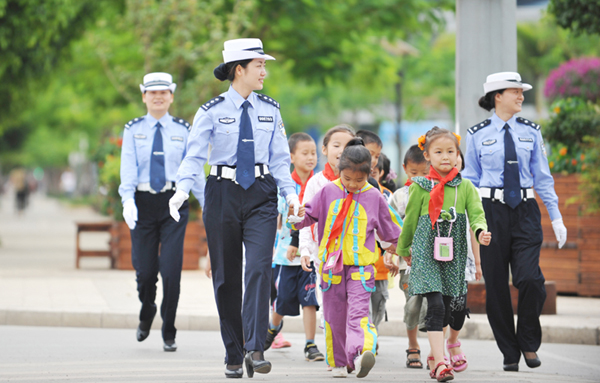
(157, 162)
(512, 183)
(245, 150)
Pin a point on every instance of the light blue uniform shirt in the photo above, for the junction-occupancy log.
(136, 152)
(484, 159)
(217, 122)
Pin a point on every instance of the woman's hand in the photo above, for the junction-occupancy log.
(305, 260)
(485, 237)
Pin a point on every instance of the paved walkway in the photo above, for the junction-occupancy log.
(41, 287)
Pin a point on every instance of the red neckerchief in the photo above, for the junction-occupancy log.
(297, 179)
(437, 193)
(338, 224)
(329, 173)
(408, 182)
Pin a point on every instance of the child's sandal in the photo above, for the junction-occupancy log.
(431, 370)
(459, 361)
(444, 375)
(413, 362)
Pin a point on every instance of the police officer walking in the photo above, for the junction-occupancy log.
(153, 148)
(506, 159)
(249, 159)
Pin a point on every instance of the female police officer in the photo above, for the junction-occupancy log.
(505, 158)
(249, 160)
(153, 148)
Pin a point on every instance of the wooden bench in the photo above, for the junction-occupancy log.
(92, 227)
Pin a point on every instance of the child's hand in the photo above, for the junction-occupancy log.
(207, 268)
(408, 260)
(291, 253)
(391, 249)
(305, 260)
(485, 237)
(301, 211)
(388, 261)
(478, 272)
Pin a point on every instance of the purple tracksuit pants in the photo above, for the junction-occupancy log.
(348, 328)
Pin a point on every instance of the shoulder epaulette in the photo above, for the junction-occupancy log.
(183, 122)
(210, 103)
(481, 125)
(523, 121)
(133, 122)
(268, 99)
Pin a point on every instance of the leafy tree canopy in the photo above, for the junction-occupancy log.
(580, 16)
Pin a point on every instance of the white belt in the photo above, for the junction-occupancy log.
(145, 187)
(499, 194)
(228, 173)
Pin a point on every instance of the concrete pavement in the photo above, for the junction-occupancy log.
(40, 286)
(64, 354)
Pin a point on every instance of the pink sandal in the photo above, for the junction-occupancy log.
(459, 362)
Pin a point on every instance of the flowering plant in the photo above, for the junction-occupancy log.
(561, 160)
(575, 78)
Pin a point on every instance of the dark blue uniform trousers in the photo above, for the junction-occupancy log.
(516, 241)
(156, 227)
(233, 215)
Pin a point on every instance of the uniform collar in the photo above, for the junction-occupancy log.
(164, 120)
(238, 100)
(498, 123)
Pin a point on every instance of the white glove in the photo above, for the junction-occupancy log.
(292, 200)
(560, 231)
(175, 203)
(130, 213)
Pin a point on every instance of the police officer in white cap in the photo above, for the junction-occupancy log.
(249, 160)
(153, 148)
(506, 159)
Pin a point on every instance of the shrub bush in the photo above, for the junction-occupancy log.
(576, 78)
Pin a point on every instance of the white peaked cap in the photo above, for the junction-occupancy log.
(504, 80)
(244, 49)
(158, 81)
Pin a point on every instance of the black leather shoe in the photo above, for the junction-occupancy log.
(532, 362)
(514, 367)
(234, 371)
(143, 330)
(170, 345)
(259, 364)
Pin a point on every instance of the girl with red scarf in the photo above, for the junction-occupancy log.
(435, 229)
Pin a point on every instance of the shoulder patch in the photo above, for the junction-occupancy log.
(133, 122)
(523, 121)
(481, 125)
(268, 99)
(183, 122)
(210, 103)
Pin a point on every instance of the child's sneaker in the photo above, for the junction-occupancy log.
(339, 372)
(312, 353)
(280, 342)
(271, 334)
(364, 363)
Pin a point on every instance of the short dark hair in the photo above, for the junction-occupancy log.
(356, 157)
(462, 157)
(488, 102)
(227, 71)
(369, 137)
(415, 155)
(296, 138)
(345, 128)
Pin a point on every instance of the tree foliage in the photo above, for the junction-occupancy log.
(580, 16)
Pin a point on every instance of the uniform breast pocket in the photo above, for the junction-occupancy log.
(491, 157)
(175, 153)
(225, 138)
(143, 147)
(264, 131)
(524, 151)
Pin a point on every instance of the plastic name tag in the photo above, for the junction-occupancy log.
(443, 249)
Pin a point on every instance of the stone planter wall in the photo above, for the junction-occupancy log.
(576, 267)
(194, 245)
